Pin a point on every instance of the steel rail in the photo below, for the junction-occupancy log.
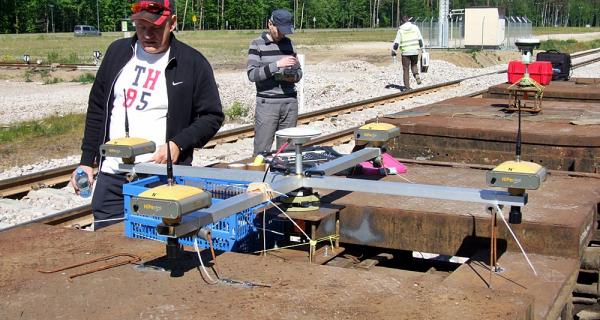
(34, 181)
(21, 65)
(248, 130)
(74, 217)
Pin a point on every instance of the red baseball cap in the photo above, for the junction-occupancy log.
(154, 11)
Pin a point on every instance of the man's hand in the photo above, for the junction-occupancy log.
(287, 62)
(90, 173)
(160, 156)
(393, 53)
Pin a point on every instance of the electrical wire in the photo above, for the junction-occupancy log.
(212, 281)
(515, 237)
(292, 220)
(283, 146)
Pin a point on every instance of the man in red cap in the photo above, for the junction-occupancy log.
(273, 66)
(162, 88)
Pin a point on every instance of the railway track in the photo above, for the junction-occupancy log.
(65, 66)
(82, 215)
(17, 186)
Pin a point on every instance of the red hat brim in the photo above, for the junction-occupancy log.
(157, 19)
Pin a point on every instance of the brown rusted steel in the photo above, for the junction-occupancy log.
(133, 259)
(555, 91)
(559, 219)
(474, 130)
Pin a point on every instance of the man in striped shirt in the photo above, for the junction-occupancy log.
(273, 66)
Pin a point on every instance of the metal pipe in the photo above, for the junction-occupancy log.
(416, 190)
(228, 207)
(298, 148)
(345, 162)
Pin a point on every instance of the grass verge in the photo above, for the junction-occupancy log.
(224, 49)
(569, 46)
(47, 127)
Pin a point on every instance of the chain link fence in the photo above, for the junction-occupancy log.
(515, 28)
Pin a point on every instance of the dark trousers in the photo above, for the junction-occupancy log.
(107, 202)
(409, 61)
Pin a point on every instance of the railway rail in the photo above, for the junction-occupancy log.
(65, 66)
(82, 215)
(19, 185)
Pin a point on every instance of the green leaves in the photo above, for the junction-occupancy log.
(35, 16)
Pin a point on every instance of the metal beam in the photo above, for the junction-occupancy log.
(285, 184)
(345, 162)
(416, 190)
(230, 206)
(202, 172)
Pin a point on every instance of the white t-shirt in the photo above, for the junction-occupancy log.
(142, 81)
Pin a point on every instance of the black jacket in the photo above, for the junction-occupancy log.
(195, 112)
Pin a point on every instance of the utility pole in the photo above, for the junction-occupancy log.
(52, 15)
(398, 14)
(444, 8)
(97, 17)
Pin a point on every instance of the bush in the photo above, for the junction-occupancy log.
(85, 78)
(28, 75)
(52, 80)
(73, 58)
(53, 57)
(236, 110)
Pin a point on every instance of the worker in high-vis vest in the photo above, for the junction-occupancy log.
(410, 42)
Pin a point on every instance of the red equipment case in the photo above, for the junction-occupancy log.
(540, 71)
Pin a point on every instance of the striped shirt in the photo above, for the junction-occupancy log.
(263, 55)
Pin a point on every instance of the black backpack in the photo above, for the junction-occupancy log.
(561, 63)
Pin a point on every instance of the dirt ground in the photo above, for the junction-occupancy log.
(378, 53)
(289, 290)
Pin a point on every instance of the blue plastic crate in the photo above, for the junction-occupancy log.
(234, 233)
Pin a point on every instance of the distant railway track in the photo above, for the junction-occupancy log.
(82, 215)
(65, 66)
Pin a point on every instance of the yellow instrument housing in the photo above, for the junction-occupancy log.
(517, 175)
(127, 147)
(376, 133)
(170, 201)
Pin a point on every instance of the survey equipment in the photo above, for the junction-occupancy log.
(316, 178)
(376, 135)
(517, 175)
(171, 202)
(127, 148)
(526, 86)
